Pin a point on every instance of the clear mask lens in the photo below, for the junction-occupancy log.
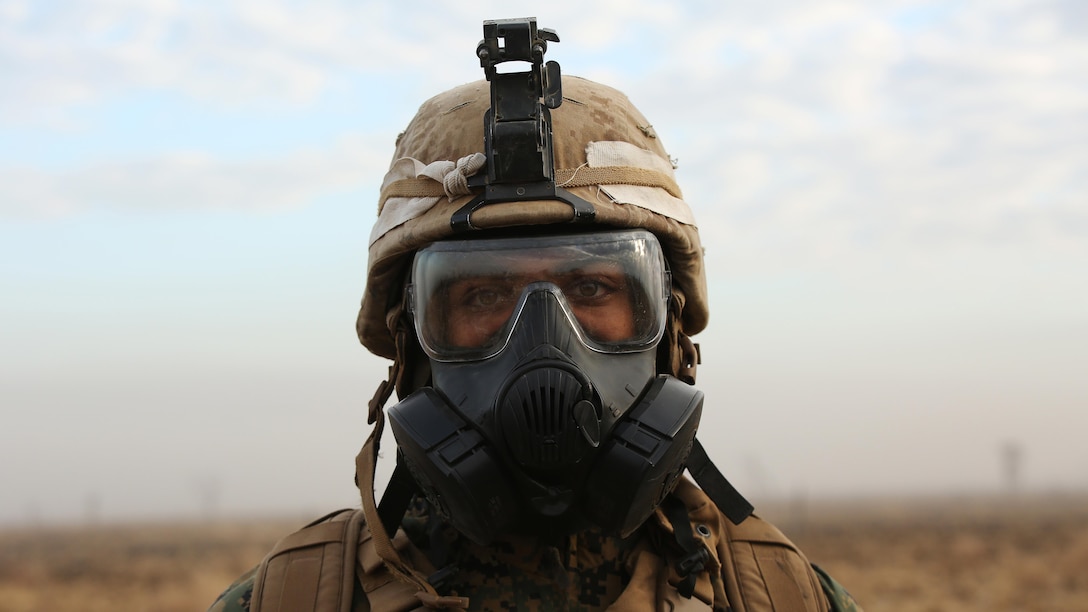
(467, 296)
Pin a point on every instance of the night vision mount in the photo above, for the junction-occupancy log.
(518, 126)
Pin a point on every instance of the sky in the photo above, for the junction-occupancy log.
(893, 196)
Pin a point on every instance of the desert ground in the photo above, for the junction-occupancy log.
(983, 553)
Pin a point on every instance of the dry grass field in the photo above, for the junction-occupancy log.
(943, 554)
(928, 555)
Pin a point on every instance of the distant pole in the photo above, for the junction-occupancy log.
(1012, 457)
(760, 482)
(34, 515)
(92, 508)
(209, 490)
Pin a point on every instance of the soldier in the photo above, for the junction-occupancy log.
(535, 276)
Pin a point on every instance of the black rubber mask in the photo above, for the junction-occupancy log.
(548, 413)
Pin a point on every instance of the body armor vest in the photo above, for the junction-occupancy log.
(331, 566)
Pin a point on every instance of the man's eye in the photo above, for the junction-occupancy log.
(592, 289)
(484, 297)
(589, 289)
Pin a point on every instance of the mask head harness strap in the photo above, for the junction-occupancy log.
(722, 492)
(518, 126)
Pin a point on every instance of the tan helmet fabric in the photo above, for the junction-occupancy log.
(605, 151)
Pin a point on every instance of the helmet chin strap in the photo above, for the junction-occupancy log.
(365, 466)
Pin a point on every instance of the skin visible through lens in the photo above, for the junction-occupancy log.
(598, 295)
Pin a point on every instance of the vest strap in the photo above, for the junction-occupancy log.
(695, 555)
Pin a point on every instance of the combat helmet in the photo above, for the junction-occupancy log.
(606, 153)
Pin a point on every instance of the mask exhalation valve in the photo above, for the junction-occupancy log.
(548, 420)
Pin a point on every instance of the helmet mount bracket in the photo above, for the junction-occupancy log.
(518, 126)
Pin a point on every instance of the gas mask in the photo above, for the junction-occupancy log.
(545, 411)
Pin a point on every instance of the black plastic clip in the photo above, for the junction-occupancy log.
(584, 212)
(441, 578)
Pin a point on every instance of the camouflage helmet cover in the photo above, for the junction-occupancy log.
(605, 152)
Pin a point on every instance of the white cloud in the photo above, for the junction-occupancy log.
(218, 53)
(962, 126)
(904, 120)
(181, 181)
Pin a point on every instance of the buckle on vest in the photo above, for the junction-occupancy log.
(689, 569)
(693, 563)
(441, 578)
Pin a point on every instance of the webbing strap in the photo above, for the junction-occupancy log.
(366, 464)
(583, 176)
(714, 484)
(398, 494)
(322, 533)
(695, 554)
